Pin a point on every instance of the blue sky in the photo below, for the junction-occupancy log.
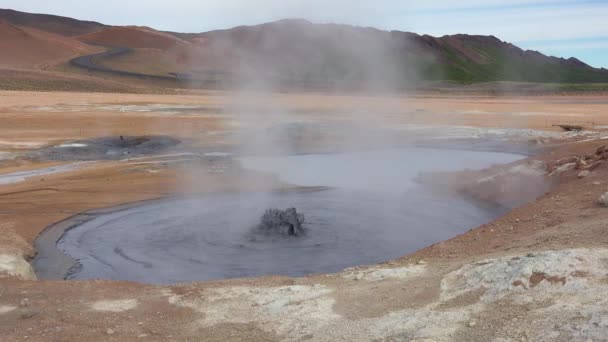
(561, 28)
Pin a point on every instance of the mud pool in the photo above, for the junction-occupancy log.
(374, 211)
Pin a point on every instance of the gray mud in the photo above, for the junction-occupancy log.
(375, 211)
(107, 148)
(213, 237)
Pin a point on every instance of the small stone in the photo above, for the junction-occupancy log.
(24, 303)
(110, 331)
(563, 168)
(140, 323)
(597, 183)
(472, 324)
(584, 174)
(140, 336)
(603, 200)
(29, 314)
(421, 262)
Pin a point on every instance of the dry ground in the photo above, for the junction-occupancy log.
(24, 118)
(538, 273)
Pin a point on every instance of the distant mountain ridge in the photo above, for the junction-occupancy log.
(459, 57)
(51, 23)
(296, 51)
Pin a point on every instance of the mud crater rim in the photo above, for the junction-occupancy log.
(326, 240)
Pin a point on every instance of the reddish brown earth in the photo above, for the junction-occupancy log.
(30, 48)
(50, 23)
(560, 238)
(133, 37)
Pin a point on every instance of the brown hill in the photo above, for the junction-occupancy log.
(50, 23)
(290, 52)
(133, 37)
(303, 51)
(154, 52)
(30, 48)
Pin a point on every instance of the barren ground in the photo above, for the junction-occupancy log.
(539, 273)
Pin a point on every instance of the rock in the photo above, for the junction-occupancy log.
(580, 163)
(140, 336)
(24, 303)
(472, 324)
(589, 156)
(603, 200)
(584, 173)
(601, 150)
(568, 160)
(110, 331)
(593, 166)
(29, 313)
(571, 128)
(421, 262)
(597, 183)
(563, 168)
(16, 266)
(284, 222)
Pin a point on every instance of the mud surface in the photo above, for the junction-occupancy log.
(107, 148)
(214, 237)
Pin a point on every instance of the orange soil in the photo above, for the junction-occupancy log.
(133, 37)
(568, 217)
(29, 48)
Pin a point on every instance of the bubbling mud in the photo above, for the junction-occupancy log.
(373, 211)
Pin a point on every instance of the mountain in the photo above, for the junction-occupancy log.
(31, 48)
(51, 23)
(289, 52)
(132, 37)
(298, 48)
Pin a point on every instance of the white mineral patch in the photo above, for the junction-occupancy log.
(567, 302)
(16, 266)
(217, 154)
(114, 305)
(4, 309)
(77, 145)
(506, 275)
(294, 311)
(424, 324)
(20, 176)
(21, 144)
(379, 273)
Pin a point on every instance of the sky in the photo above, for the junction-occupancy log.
(562, 28)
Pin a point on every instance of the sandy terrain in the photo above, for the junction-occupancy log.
(538, 273)
(31, 116)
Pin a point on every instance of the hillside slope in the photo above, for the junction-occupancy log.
(51, 23)
(132, 37)
(302, 50)
(290, 52)
(30, 48)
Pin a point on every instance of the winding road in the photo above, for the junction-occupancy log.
(88, 62)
